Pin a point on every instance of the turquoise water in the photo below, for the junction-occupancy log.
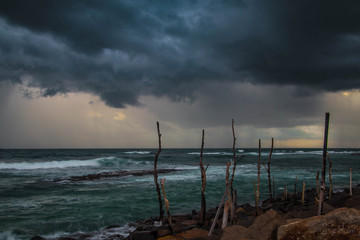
(31, 203)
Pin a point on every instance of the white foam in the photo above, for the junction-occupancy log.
(211, 153)
(53, 164)
(7, 235)
(138, 152)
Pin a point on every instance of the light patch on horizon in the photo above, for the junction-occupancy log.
(119, 116)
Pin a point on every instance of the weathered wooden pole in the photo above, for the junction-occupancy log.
(268, 168)
(303, 194)
(234, 157)
(232, 213)
(323, 169)
(203, 182)
(167, 205)
(161, 211)
(350, 181)
(228, 204)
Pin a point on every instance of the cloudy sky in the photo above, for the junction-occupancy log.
(91, 73)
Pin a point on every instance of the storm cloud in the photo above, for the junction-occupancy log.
(122, 50)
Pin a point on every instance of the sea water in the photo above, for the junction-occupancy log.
(32, 203)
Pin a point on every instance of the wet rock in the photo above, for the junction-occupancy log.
(343, 223)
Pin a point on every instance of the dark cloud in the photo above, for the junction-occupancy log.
(120, 50)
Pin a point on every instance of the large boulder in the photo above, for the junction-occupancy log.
(264, 227)
(342, 223)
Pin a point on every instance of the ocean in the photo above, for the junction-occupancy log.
(37, 197)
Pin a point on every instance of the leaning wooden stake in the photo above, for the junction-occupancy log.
(217, 214)
(323, 169)
(167, 205)
(203, 182)
(350, 181)
(161, 213)
(303, 195)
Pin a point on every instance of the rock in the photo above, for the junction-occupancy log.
(37, 238)
(264, 227)
(234, 232)
(163, 232)
(196, 233)
(142, 235)
(342, 223)
(193, 234)
(189, 222)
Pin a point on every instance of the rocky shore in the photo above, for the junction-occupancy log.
(279, 218)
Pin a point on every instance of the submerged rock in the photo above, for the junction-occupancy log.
(102, 175)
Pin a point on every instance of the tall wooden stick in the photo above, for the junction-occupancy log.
(161, 211)
(228, 203)
(234, 157)
(203, 182)
(350, 181)
(232, 213)
(268, 167)
(167, 205)
(303, 194)
(323, 169)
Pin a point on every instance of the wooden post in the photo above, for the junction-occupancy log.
(203, 182)
(268, 168)
(161, 214)
(166, 205)
(285, 193)
(350, 181)
(303, 194)
(323, 169)
(232, 213)
(228, 203)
